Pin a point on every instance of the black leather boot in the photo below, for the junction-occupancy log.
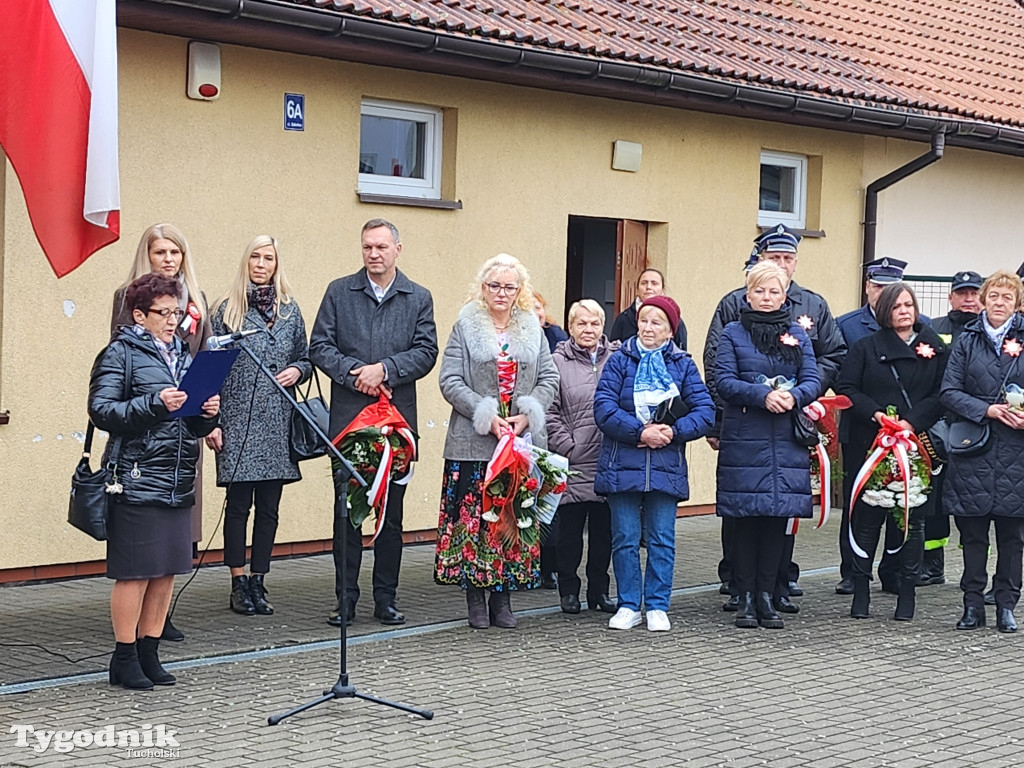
(973, 618)
(1005, 621)
(746, 615)
(125, 669)
(766, 615)
(476, 607)
(149, 660)
(171, 632)
(501, 610)
(258, 595)
(241, 599)
(933, 568)
(860, 607)
(905, 601)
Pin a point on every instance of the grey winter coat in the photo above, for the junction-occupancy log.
(469, 381)
(352, 329)
(991, 482)
(572, 431)
(254, 416)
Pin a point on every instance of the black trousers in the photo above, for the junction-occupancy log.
(788, 570)
(265, 496)
(572, 519)
(867, 530)
(889, 566)
(1009, 545)
(758, 544)
(549, 549)
(387, 550)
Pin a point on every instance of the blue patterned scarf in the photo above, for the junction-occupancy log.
(652, 384)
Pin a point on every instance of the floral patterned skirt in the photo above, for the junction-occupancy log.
(468, 550)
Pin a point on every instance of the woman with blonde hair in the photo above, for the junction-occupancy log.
(253, 460)
(163, 250)
(498, 376)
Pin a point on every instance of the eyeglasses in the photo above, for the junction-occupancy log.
(499, 288)
(165, 313)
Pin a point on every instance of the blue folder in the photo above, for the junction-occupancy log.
(204, 378)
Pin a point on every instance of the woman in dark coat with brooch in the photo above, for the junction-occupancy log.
(763, 473)
(906, 348)
(641, 468)
(252, 443)
(133, 394)
(987, 486)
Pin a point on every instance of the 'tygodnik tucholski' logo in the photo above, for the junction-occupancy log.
(147, 741)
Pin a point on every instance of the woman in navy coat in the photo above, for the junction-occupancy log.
(642, 464)
(764, 371)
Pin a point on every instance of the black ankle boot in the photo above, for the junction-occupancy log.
(258, 594)
(906, 600)
(746, 616)
(500, 609)
(125, 669)
(149, 660)
(476, 607)
(766, 615)
(241, 599)
(860, 608)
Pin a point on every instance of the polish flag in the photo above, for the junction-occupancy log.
(58, 121)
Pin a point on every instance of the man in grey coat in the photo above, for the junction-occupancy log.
(374, 334)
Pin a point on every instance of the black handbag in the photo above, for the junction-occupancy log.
(670, 411)
(305, 443)
(935, 439)
(88, 508)
(805, 431)
(89, 505)
(968, 439)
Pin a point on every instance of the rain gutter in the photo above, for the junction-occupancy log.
(285, 26)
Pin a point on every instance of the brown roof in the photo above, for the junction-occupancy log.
(959, 58)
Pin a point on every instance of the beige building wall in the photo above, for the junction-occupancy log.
(962, 212)
(226, 170)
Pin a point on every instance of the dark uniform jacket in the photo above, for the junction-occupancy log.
(826, 340)
(991, 482)
(155, 455)
(953, 323)
(625, 327)
(352, 330)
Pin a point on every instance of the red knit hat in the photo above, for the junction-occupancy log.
(666, 305)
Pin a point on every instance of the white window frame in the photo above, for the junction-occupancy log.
(429, 187)
(797, 219)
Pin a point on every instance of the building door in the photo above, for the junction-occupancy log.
(604, 259)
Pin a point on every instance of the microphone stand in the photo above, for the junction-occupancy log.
(341, 689)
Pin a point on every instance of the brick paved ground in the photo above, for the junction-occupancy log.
(560, 690)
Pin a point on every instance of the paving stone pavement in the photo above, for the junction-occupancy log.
(560, 690)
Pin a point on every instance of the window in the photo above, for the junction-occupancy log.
(400, 149)
(783, 192)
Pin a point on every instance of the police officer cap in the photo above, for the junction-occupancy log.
(885, 271)
(778, 239)
(966, 280)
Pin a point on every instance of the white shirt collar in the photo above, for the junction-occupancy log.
(379, 292)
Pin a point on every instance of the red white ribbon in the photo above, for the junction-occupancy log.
(891, 438)
(377, 495)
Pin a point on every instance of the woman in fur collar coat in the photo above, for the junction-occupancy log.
(498, 375)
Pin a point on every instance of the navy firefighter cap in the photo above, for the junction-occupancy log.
(778, 239)
(966, 279)
(885, 271)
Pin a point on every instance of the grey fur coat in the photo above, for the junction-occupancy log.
(256, 439)
(469, 380)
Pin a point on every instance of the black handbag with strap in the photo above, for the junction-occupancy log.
(91, 492)
(935, 439)
(304, 442)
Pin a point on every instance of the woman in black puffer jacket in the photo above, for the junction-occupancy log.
(133, 393)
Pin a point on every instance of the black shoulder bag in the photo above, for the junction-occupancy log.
(89, 505)
(966, 438)
(304, 443)
(935, 439)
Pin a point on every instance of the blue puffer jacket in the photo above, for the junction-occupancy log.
(762, 471)
(622, 467)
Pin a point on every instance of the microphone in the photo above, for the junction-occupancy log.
(219, 342)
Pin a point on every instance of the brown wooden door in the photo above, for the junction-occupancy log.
(630, 260)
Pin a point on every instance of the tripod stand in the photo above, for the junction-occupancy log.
(343, 470)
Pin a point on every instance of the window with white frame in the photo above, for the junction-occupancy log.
(400, 149)
(783, 192)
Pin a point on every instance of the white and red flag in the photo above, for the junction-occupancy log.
(58, 121)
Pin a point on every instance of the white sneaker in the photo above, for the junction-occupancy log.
(625, 618)
(657, 621)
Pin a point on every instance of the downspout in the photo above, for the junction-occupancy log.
(871, 198)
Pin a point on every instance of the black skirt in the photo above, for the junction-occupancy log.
(148, 542)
